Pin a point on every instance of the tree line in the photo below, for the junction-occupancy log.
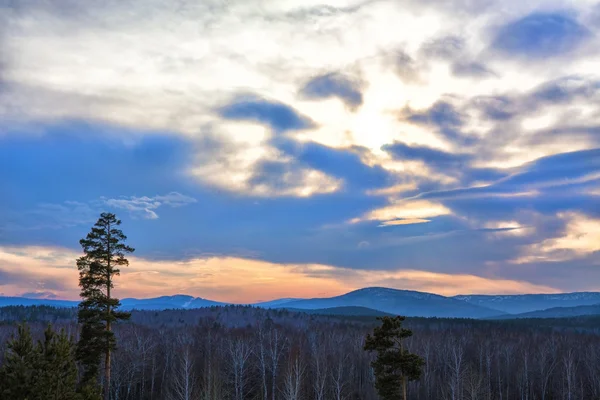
(240, 352)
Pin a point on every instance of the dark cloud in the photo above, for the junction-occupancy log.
(439, 158)
(405, 67)
(445, 48)
(325, 11)
(334, 85)
(340, 163)
(442, 114)
(566, 89)
(445, 117)
(279, 175)
(471, 69)
(556, 170)
(458, 165)
(496, 108)
(576, 133)
(280, 117)
(540, 35)
(548, 185)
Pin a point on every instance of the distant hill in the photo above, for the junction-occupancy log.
(156, 303)
(399, 302)
(557, 312)
(23, 301)
(522, 303)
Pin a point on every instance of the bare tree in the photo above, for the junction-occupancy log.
(262, 359)
(293, 380)
(239, 352)
(183, 379)
(319, 366)
(455, 362)
(276, 346)
(569, 368)
(338, 378)
(474, 382)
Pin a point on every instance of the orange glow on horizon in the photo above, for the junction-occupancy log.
(234, 280)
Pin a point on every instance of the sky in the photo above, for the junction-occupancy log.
(258, 149)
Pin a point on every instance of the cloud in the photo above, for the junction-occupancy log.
(146, 206)
(405, 213)
(565, 89)
(457, 166)
(280, 178)
(471, 69)
(496, 108)
(344, 164)
(445, 48)
(444, 117)
(280, 117)
(334, 85)
(580, 238)
(438, 158)
(573, 169)
(245, 280)
(540, 35)
(395, 222)
(18, 271)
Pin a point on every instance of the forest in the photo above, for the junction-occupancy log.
(239, 353)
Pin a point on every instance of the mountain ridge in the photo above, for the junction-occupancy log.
(522, 303)
(381, 299)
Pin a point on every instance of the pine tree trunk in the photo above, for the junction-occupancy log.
(404, 387)
(107, 372)
(108, 325)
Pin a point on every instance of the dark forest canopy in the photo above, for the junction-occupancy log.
(508, 359)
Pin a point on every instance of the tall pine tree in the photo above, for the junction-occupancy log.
(105, 251)
(394, 365)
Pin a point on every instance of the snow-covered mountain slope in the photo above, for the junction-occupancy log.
(275, 303)
(167, 302)
(556, 312)
(522, 303)
(401, 302)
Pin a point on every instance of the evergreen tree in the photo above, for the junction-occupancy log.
(394, 365)
(104, 253)
(18, 373)
(56, 369)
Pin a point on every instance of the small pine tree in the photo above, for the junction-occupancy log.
(104, 253)
(394, 365)
(56, 369)
(47, 371)
(18, 373)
